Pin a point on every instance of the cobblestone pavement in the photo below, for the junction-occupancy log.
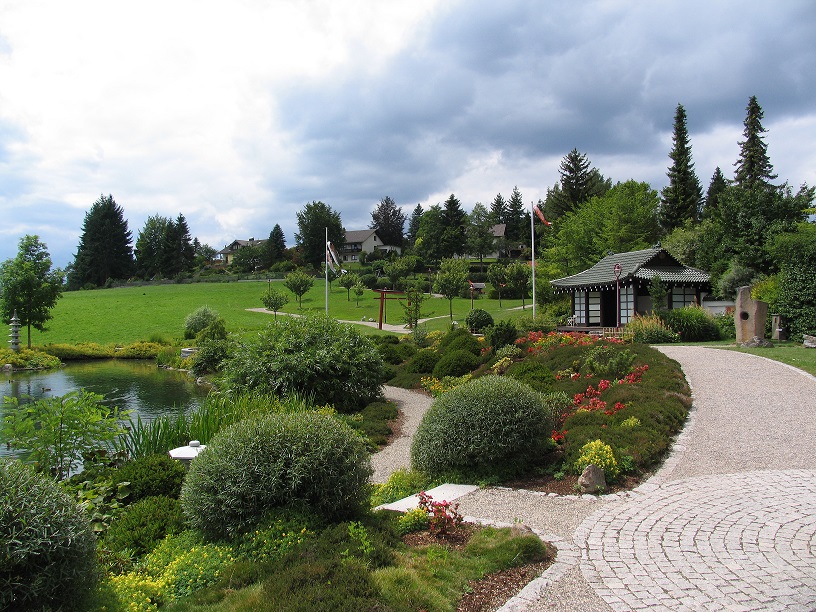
(727, 523)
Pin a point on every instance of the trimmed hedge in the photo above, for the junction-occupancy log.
(456, 363)
(274, 461)
(489, 426)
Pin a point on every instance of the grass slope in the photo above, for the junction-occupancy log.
(130, 314)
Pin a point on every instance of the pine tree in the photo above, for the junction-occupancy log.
(275, 247)
(413, 225)
(716, 188)
(104, 251)
(753, 168)
(389, 222)
(517, 222)
(454, 238)
(681, 198)
(498, 210)
(579, 182)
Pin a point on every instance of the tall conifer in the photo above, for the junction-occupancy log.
(681, 198)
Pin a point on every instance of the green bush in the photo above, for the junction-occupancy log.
(210, 356)
(142, 525)
(650, 329)
(451, 336)
(533, 373)
(201, 318)
(456, 363)
(273, 461)
(399, 485)
(151, 476)
(607, 361)
(47, 548)
(216, 330)
(465, 343)
(693, 324)
(725, 325)
(488, 426)
(501, 334)
(29, 358)
(317, 357)
(599, 454)
(423, 361)
(478, 319)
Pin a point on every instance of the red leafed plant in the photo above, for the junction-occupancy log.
(443, 516)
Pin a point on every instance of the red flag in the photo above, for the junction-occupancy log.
(540, 214)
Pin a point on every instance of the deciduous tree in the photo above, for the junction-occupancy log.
(314, 221)
(298, 282)
(451, 280)
(480, 238)
(28, 285)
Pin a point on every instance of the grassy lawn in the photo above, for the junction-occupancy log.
(130, 314)
(793, 354)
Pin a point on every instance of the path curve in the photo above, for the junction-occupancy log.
(728, 522)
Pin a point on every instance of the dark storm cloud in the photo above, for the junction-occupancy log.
(534, 80)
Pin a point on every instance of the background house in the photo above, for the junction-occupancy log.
(595, 291)
(360, 241)
(228, 252)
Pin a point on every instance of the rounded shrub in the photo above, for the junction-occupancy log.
(534, 373)
(47, 547)
(456, 363)
(693, 323)
(143, 524)
(478, 319)
(151, 476)
(465, 343)
(501, 334)
(198, 320)
(489, 425)
(274, 461)
(423, 361)
(317, 357)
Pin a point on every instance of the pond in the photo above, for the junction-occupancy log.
(131, 384)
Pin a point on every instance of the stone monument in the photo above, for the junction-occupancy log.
(749, 316)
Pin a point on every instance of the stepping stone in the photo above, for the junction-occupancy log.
(444, 492)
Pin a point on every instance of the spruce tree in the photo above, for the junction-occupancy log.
(413, 225)
(716, 188)
(498, 210)
(517, 222)
(454, 238)
(681, 198)
(104, 251)
(753, 168)
(389, 222)
(579, 182)
(178, 254)
(275, 247)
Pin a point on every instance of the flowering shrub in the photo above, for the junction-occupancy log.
(500, 367)
(414, 520)
(630, 423)
(538, 342)
(600, 454)
(437, 387)
(443, 517)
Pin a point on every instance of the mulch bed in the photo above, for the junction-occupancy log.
(492, 591)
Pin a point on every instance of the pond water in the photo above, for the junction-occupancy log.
(131, 384)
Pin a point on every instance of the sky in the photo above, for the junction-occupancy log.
(237, 114)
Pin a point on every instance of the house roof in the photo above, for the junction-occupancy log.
(640, 265)
(237, 244)
(358, 235)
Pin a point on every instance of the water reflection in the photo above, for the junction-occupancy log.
(130, 384)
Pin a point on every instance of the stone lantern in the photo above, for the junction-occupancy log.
(15, 333)
(186, 454)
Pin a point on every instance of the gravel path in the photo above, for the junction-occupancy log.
(728, 522)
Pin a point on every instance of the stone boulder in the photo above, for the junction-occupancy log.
(809, 341)
(592, 479)
(757, 342)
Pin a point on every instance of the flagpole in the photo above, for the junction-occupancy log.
(532, 244)
(327, 270)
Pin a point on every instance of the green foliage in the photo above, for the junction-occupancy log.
(725, 325)
(373, 422)
(317, 357)
(737, 275)
(510, 351)
(451, 280)
(82, 350)
(464, 342)
(46, 546)
(456, 363)
(210, 356)
(150, 476)
(533, 373)
(274, 300)
(399, 485)
(659, 295)
(277, 535)
(414, 520)
(28, 359)
(57, 432)
(215, 331)
(650, 329)
(505, 549)
(599, 454)
(607, 361)
(693, 324)
(423, 361)
(143, 524)
(489, 425)
(477, 320)
(28, 286)
(298, 282)
(797, 279)
(277, 460)
(201, 318)
(501, 334)
(139, 350)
